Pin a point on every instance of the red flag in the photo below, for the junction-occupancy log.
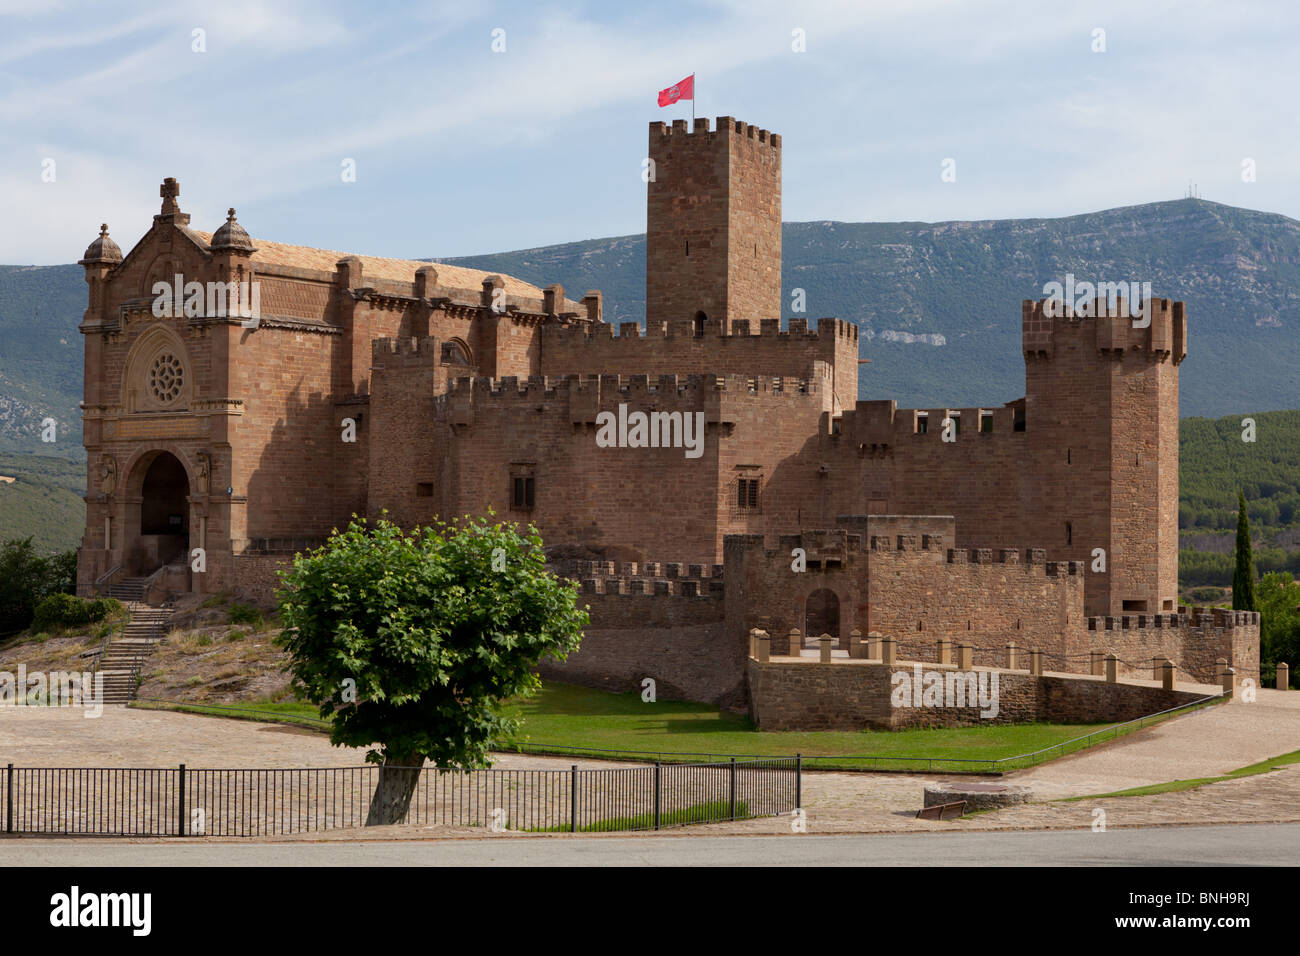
(685, 90)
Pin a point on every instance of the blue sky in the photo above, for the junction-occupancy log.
(462, 150)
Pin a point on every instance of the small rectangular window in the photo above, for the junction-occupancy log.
(986, 424)
(747, 494)
(424, 489)
(1069, 533)
(922, 424)
(523, 493)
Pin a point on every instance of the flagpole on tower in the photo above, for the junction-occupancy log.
(692, 101)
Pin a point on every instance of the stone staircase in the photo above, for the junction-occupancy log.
(128, 590)
(123, 657)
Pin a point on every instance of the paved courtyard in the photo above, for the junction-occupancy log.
(1206, 743)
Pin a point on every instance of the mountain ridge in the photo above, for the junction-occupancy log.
(938, 303)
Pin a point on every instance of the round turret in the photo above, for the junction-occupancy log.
(102, 250)
(231, 235)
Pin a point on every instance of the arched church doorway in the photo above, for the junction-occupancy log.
(161, 518)
(822, 615)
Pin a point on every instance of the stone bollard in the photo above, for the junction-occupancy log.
(1096, 663)
(1283, 675)
(1112, 668)
(1167, 675)
(945, 651)
(825, 642)
(796, 643)
(1228, 677)
(1158, 667)
(1036, 663)
(1013, 656)
(965, 657)
(857, 648)
(764, 647)
(874, 639)
(888, 650)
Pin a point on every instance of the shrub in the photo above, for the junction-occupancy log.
(67, 610)
(245, 614)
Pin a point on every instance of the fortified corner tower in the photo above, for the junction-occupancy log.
(713, 224)
(1101, 409)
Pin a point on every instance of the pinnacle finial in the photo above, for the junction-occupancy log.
(230, 214)
(169, 190)
(103, 229)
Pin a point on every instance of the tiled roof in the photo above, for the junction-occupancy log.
(378, 267)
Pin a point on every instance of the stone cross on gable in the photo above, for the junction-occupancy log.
(169, 190)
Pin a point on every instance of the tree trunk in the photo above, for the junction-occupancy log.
(398, 775)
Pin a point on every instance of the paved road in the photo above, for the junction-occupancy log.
(1251, 844)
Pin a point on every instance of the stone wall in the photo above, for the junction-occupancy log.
(1194, 641)
(678, 640)
(855, 695)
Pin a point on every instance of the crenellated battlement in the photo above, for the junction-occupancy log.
(417, 349)
(629, 387)
(727, 128)
(649, 569)
(648, 578)
(1217, 617)
(743, 331)
(1106, 326)
(883, 423)
(759, 351)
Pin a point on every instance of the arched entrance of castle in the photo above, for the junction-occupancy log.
(821, 616)
(158, 513)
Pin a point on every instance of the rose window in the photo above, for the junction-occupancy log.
(166, 378)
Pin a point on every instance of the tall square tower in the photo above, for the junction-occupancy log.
(713, 223)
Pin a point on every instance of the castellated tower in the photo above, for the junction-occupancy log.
(713, 224)
(1101, 410)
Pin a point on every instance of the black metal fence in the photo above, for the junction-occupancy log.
(254, 802)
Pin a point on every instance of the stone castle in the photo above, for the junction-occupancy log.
(367, 384)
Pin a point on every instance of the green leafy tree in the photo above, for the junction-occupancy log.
(1243, 579)
(27, 578)
(1279, 623)
(413, 641)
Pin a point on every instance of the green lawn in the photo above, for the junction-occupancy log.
(565, 716)
(566, 719)
(268, 711)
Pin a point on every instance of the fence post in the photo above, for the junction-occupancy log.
(798, 781)
(1283, 675)
(9, 803)
(573, 800)
(657, 785)
(733, 788)
(180, 804)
